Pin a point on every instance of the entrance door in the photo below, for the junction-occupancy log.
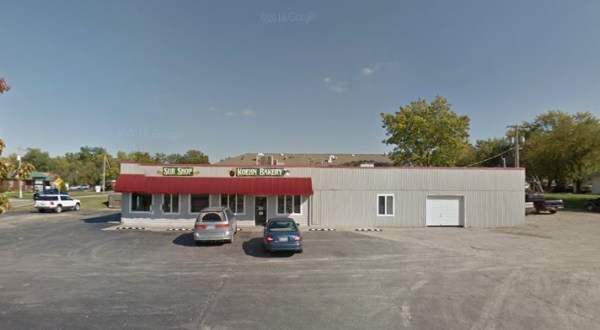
(260, 210)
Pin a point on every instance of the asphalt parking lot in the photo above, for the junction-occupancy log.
(67, 271)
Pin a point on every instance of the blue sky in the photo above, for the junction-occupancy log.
(230, 77)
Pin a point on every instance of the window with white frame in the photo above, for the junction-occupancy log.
(234, 202)
(141, 202)
(288, 204)
(170, 203)
(385, 204)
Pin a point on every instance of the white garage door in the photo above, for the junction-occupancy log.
(444, 211)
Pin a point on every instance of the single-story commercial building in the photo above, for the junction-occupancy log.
(321, 196)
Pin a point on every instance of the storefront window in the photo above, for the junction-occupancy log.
(198, 202)
(385, 204)
(234, 202)
(288, 204)
(170, 203)
(141, 202)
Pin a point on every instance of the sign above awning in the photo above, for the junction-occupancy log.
(130, 183)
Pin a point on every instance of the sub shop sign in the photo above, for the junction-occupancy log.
(260, 171)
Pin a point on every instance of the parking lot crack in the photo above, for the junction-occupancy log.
(199, 321)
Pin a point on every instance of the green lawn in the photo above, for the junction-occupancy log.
(89, 200)
(572, 201)
(93, 201)
(16, 195)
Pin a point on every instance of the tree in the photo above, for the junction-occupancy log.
(190, 157)
(494, 152)
(7, 167)
(3, 86)
(562, 148)
(426, 134)
(40, 159)
(194, 157)
(140, 157)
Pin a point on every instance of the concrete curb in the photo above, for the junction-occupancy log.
(130, 228)
(190, 229)
(321, 229)
(367, 229)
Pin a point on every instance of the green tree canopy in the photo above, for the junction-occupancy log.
(492, 152)
(426, 134)
(562, 148)
(190, 157)
(40, 159)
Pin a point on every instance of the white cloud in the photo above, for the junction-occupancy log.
(371, 69)
(248, 112)
(367, 71)
(229, 114)
(212, 109)
(337, 86)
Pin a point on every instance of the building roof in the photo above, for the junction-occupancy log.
(333, 159)
(35, 174)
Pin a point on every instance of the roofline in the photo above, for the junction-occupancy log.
(330, 166)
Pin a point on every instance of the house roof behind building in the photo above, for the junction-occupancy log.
(333, 159)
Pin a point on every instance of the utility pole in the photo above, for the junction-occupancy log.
(517, 140)
(20, 182)
(104, 160)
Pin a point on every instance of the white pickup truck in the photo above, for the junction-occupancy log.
(56, 203)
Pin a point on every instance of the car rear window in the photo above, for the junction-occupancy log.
(48, 198)
(212, 217)
(282, 226)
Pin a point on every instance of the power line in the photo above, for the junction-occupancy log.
(485, 160)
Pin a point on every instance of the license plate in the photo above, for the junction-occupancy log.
(210, 226)
(283, 239)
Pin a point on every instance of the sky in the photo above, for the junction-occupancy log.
(234, 77)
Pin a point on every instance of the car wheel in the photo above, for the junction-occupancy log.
(229, 241)
(198, 242)
(41, 210)
(58, 209)
(77, 207)
(589, 207)
(300, 251)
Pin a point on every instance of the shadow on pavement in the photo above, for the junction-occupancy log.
(254, 248)
(188, 240)
(105, 218)
(185, 240)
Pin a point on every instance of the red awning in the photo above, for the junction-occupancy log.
(130, 183)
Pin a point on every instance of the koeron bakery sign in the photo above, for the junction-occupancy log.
(260, 171)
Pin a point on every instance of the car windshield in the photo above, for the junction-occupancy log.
(48, 198)
(212, 217)
(282, 226)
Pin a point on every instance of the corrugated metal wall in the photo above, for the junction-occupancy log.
(348, 197)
